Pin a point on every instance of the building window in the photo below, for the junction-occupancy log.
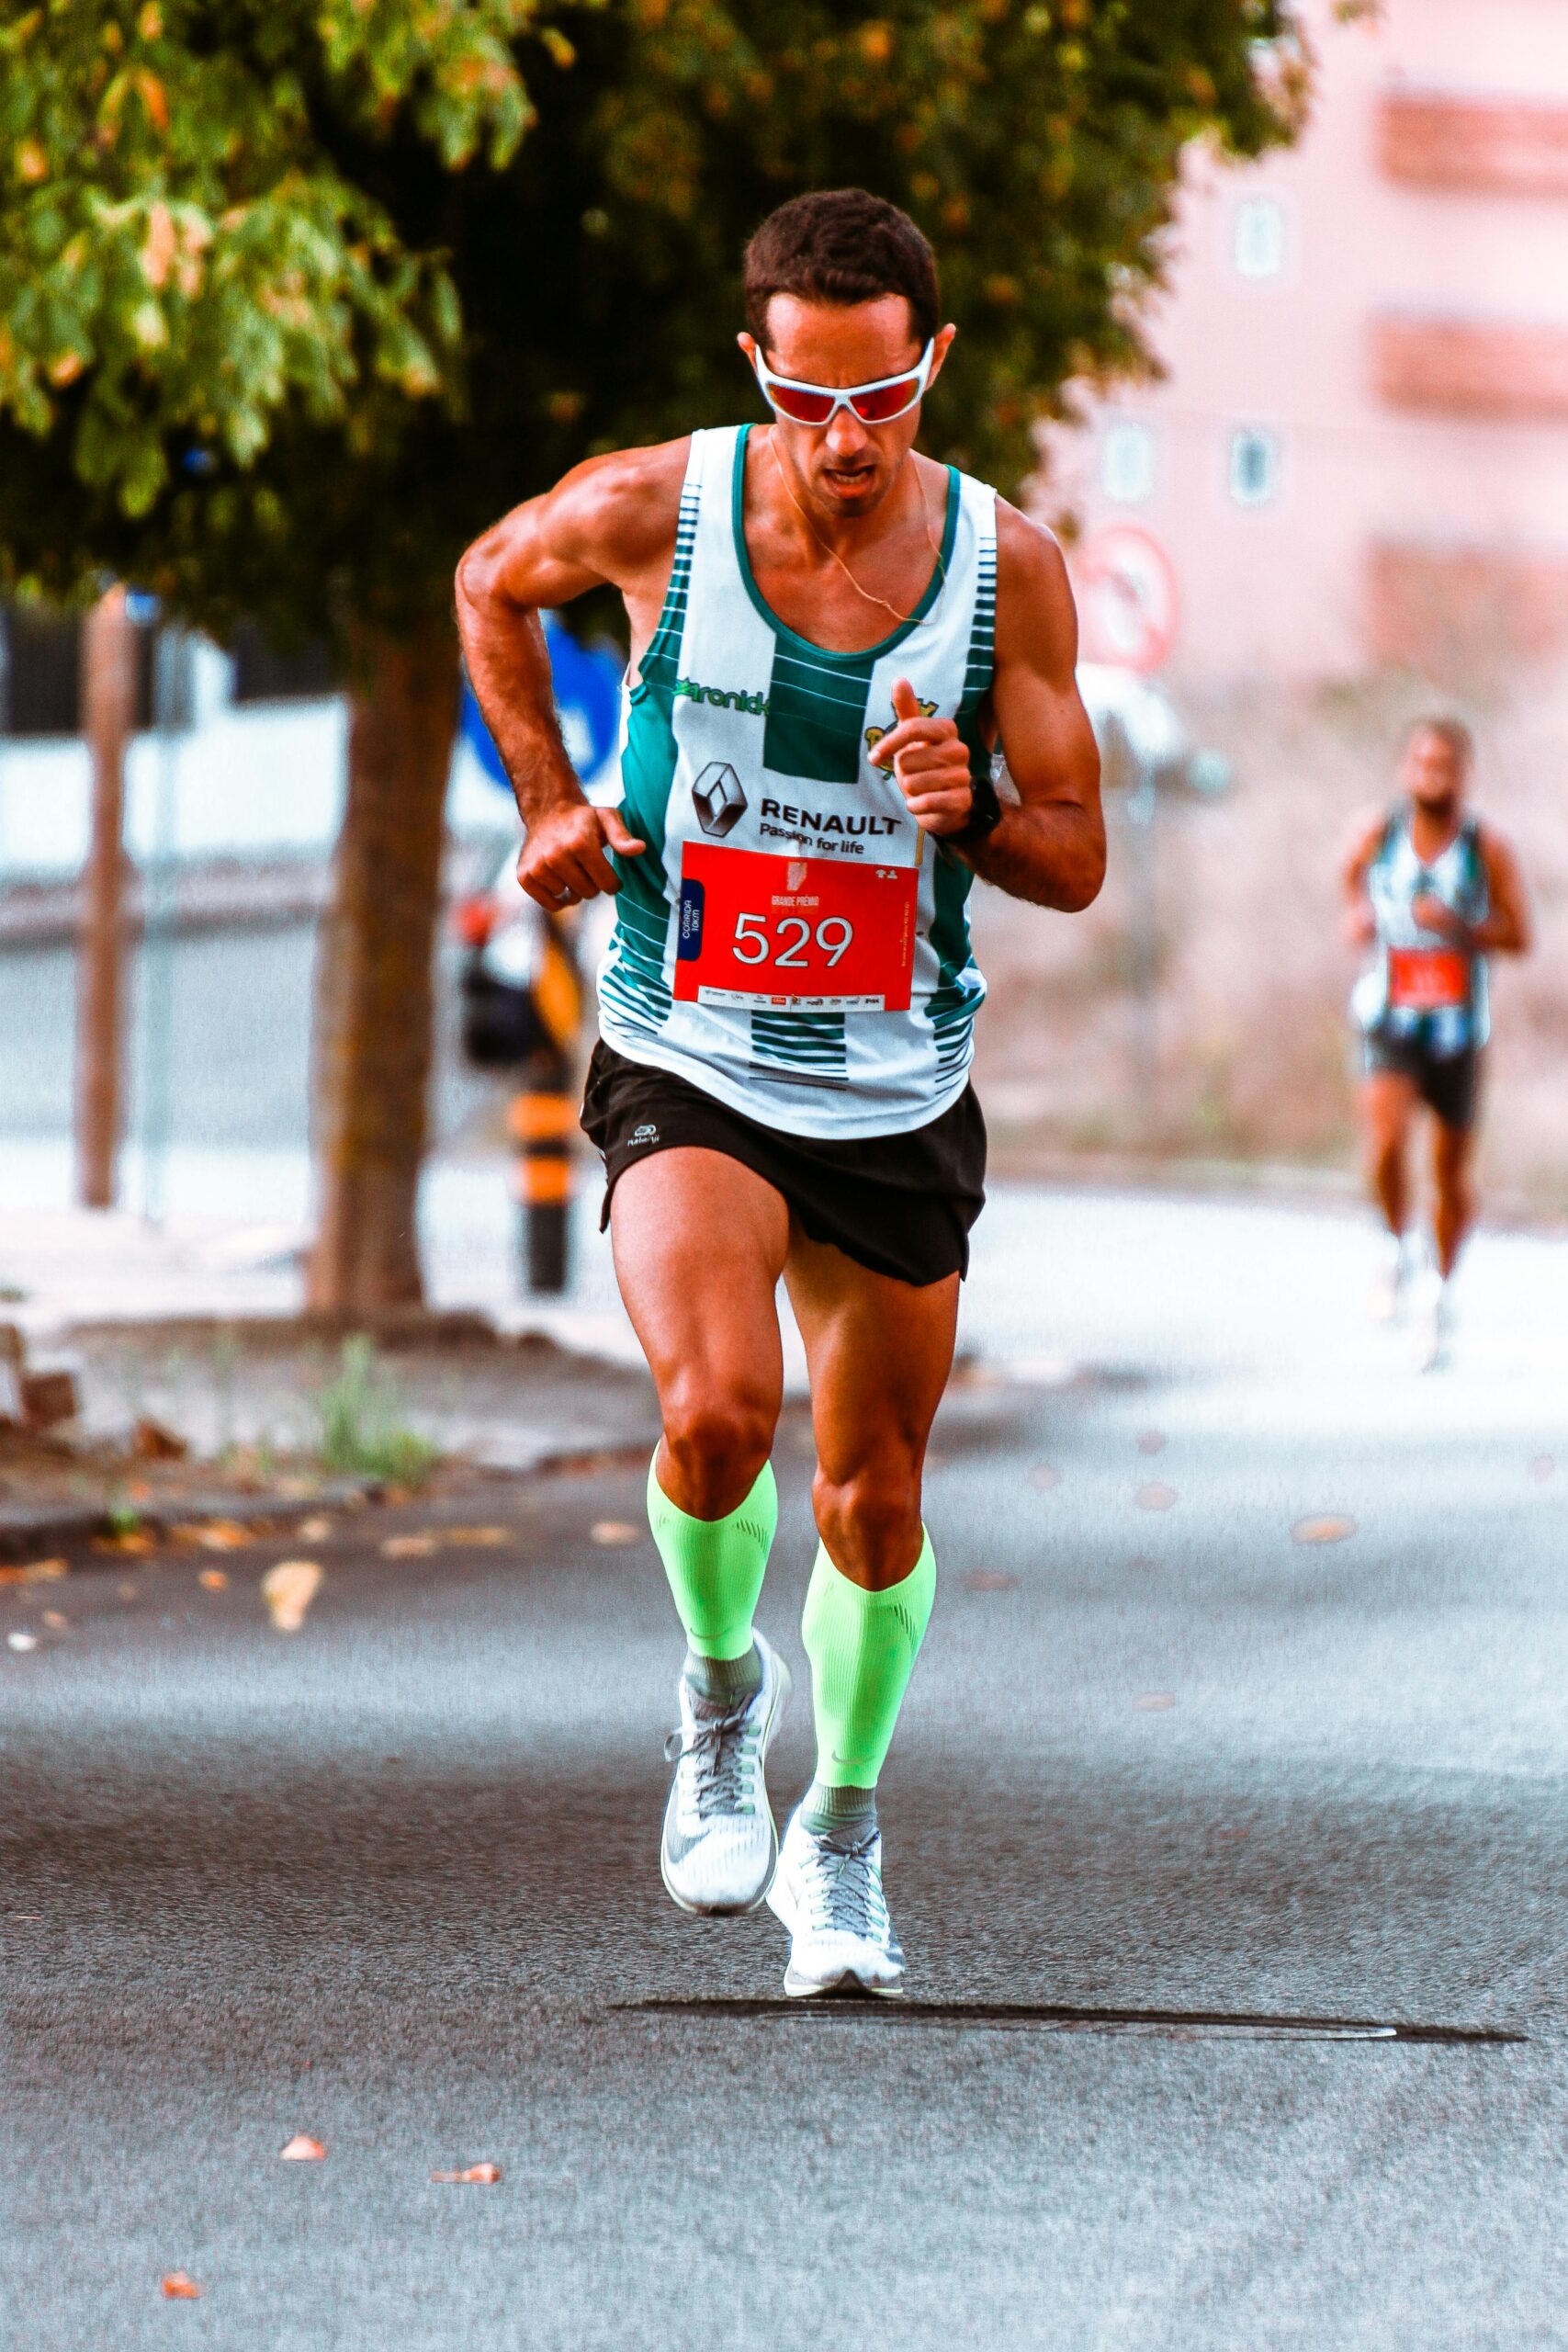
(1127, 462)
(1259, 237)
(1254, 466)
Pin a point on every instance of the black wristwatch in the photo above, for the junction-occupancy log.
(985, 815)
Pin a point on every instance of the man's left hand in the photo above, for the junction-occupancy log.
(931, 764)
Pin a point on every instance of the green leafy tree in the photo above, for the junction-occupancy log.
(295, 297)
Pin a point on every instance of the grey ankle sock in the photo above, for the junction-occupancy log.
(723, 1682)
(846, 1812)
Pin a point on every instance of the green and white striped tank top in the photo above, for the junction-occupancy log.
(741, 735)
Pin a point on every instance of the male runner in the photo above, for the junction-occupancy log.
(1432, 891)
(828, 633)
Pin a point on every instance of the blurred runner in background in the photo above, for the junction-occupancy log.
(1432, 892)
(829, 633)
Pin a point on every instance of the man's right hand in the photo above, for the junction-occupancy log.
(564, 860)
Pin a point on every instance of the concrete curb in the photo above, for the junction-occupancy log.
(33, 1534)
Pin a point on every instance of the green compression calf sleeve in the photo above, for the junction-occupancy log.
(716, 1565)
(862, 1647)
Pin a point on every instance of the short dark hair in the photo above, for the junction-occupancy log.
(843, 245)
(1451, 731)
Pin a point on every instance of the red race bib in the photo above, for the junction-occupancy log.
(812, 934)
(1428, 979)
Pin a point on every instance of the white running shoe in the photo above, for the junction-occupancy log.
(829, 1897)
(720, 1845)
(1387, 1299)
(1430, 1321)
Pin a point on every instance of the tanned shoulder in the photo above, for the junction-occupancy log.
(1036, 618)
(616, 514)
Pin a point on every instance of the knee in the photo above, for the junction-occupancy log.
(717, 1445)
(869, 1517)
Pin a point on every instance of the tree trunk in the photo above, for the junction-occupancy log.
(108, 715)
(373, 999)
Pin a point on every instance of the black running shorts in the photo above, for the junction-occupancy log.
(899, 1205)
(1447, 1083)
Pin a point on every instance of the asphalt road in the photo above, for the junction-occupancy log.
(392, 1881)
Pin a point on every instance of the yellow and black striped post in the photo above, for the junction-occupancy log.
(544, 1116)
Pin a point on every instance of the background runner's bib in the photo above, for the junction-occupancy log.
(1421, 988)
(791, 942)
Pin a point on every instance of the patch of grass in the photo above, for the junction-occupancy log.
(359, 1434)
(124, 1519)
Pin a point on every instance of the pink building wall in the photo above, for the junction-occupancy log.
(1401, 378)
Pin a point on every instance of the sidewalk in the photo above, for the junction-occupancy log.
(1241, 1312)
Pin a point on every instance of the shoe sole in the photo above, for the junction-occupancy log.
(849, 1985)
(737, 1910)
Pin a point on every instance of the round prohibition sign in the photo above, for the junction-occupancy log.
(1127, 598)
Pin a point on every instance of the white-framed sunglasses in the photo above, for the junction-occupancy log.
(818, 404)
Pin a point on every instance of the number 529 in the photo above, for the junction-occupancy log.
(792, 935)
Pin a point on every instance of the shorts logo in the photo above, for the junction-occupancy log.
(874, 735)
(647, 1133)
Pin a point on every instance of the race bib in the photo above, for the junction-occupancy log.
(1428, 979)
(799, 934)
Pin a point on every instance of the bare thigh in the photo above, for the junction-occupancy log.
(1389, 1104)
(879, 1353)
(700, 1242)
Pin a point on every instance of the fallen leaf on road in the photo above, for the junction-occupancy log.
(409, 1547)
(179, 2288)
(315, 1530)
(614, 1530)
(221, 1536)
(302, 2150)
(1542, 1466)
(56, 1620)
(288, 1590)
(989, 1581)
(485, 1537)
(1155, 1496)
(482, 2175)
(130, 1539)
(1153, 1701)
(1151, 1440)
(213, 1579)
(1328, 1529)
(1045, 1474)
(21, 1641)
(34, 1572)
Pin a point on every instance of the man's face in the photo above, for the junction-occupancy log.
(1432, 771)
(846, 468)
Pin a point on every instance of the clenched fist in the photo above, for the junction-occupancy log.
(931, 764)
(563, 859)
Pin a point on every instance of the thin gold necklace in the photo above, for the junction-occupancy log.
(920, 620)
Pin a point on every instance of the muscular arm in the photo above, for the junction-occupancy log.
(1360, 923)
(612, 520)
(1051, 848)
(1506, 928)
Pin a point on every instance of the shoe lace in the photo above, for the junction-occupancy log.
(844, 1888)
(719, 1750)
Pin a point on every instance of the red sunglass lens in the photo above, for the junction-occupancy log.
(886, 400)
(803, 407)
